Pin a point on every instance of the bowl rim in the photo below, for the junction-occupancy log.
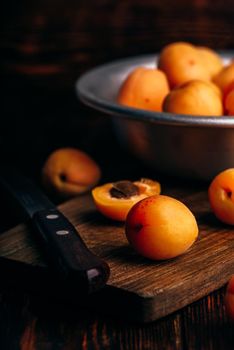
(92, 77)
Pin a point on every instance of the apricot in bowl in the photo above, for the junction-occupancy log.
(144, 88)
(228, 99)
(211, 60)
(225, 77)
(181, 62)
(195, 97)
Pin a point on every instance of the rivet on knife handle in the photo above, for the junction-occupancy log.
(71, 257)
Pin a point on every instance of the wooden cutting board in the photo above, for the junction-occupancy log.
(140, 289)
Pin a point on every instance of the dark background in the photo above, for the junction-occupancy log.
(44, 47)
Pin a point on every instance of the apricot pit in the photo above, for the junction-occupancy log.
(114, 200)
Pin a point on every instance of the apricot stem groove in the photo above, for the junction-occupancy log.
(63, 177)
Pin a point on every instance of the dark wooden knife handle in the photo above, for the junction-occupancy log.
(68, 253)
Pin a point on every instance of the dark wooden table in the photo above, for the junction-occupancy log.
(44, 48)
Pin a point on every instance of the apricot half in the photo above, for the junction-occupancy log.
(144, 88)
(195, 97)
(181, 62)
(221, 196)
(69, 172)
(160, 227)
(114, 200)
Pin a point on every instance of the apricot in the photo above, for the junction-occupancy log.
(160, 227)
(228, 99)
(69, 172)
(221, 196)
(229, 103)
(228, 89)
(225, 77)
(114, 200)
(144, 88)
(181, 62)
(211, 60)
(195, 97)
(229, 298)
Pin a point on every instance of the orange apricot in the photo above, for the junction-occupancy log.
(228, 99)
(211, 60)
(160, 227)
(69, 172)
(221, 196)
(225, 77)
(181, 62)
(229, 103)
(114, 200)
(228, 88)
(195, 97)
(144, 88)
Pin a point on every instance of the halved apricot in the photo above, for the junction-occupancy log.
(114, 200)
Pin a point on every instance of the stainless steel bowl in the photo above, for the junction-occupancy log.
(195, 147)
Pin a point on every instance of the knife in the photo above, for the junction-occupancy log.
(64, 248)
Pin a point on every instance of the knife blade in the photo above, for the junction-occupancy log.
(64, 248)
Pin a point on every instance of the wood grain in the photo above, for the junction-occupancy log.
(144, 289)
(44, 47)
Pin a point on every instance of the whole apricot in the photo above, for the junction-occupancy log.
(228, 99)
(69, 172)
(229, 103)
(160, 227)
(225, 77)
(195, 97)
(181, 62)
(211, 60)
(229, 298)
(144, 88)
(221, 196)
(114, 200)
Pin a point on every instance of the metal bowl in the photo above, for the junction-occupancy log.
(194, 147)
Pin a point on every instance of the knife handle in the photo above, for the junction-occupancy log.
(68, 252)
